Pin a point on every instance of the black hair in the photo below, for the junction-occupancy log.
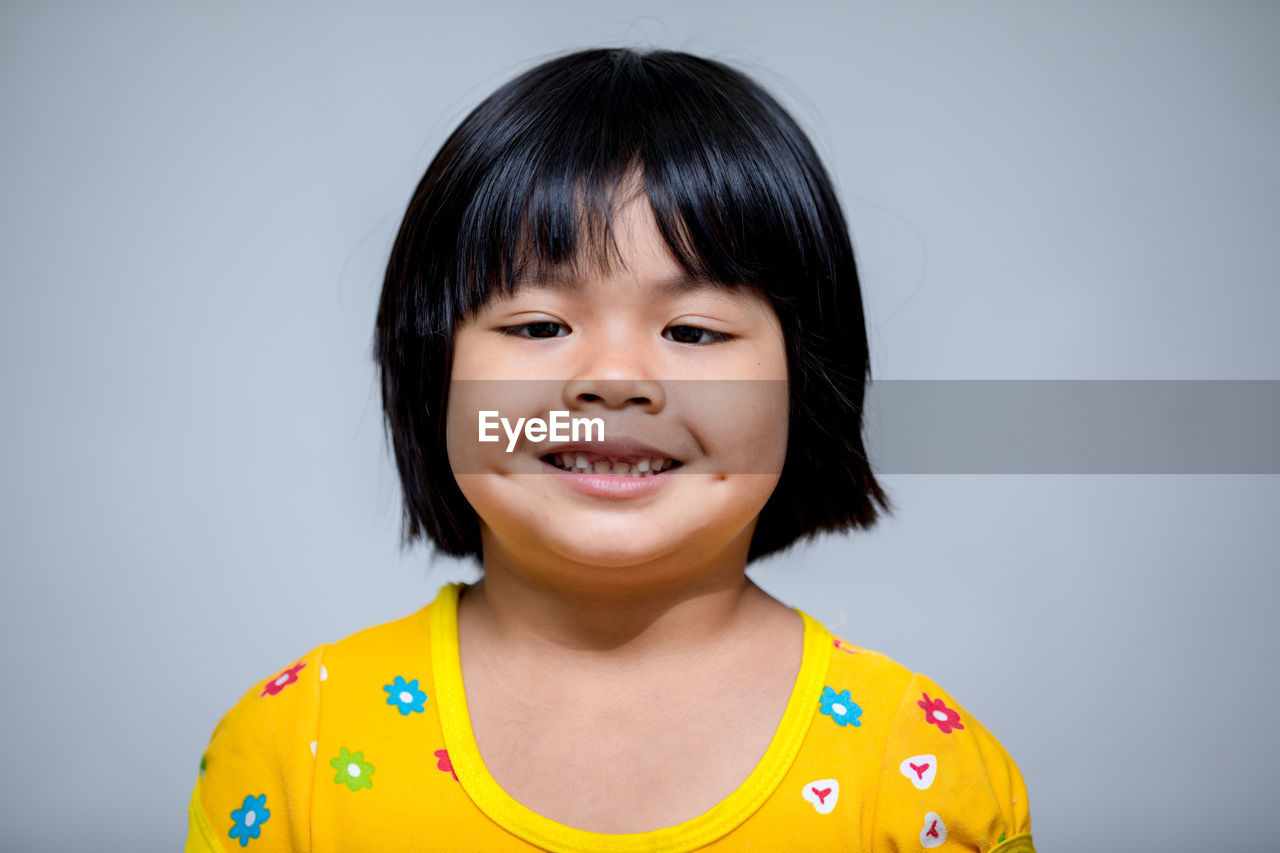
(740, 198)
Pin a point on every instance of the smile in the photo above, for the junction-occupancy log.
(587, 462)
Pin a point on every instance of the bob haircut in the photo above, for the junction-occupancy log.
(740, 198)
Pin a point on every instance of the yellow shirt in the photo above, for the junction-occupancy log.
(366, 745)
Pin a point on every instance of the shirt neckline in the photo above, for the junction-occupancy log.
(499, 806)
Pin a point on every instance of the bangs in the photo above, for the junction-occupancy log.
(552, 155)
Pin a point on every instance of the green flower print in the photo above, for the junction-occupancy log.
(353, 770)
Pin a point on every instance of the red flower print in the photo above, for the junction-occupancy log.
(283, 680)
(443, 763)
(844, 646)
(937, 712)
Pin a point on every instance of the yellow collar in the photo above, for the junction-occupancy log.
(723, 818)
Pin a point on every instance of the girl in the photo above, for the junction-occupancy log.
(647, 242)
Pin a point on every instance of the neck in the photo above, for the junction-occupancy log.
(624, 616)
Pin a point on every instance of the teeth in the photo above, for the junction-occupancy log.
(641, 468)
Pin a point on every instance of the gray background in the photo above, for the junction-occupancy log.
(197, 200)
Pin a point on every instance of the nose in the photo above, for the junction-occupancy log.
(617, 380)
(615, 393)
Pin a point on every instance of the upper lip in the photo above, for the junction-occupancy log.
(621, 447)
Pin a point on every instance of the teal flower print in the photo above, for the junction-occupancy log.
(249, 818)
(405, 695)
(840, 707)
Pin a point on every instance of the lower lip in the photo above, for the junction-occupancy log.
(611, 485)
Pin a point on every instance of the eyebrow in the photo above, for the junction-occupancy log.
(562, 279)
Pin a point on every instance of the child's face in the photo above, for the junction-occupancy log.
(696, 375)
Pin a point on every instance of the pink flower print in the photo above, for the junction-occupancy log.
(444, 764)
(283, 680)
(937, 713)
(845, 646)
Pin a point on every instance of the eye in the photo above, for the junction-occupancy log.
(540, 329)
(693, 335)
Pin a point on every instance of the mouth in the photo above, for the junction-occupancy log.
(611, 465)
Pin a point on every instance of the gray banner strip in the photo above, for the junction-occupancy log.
(1073, 426)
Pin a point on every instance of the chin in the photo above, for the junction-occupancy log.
(612, 546)
(659, 546)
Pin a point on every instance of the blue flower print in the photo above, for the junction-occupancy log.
(405, 695)
(840, 707)
(249, 818)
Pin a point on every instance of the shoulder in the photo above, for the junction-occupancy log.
(286, 702)
(941, 774)
(293, 692)
(256, 774)
(389, 645)
(862, 687)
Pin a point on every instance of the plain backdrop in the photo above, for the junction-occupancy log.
(198, 200)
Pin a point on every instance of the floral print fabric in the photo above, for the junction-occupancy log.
(840, 707)
(247, 821)
(405, 695)
(283, 680)
(345, 749)
(937, 713)
(353, 770)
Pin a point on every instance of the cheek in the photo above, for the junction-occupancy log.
(482, 470)
(774, 422)
(757, 448)
(741, 424)
(495, 409)
(763, 428)
(462, 428)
